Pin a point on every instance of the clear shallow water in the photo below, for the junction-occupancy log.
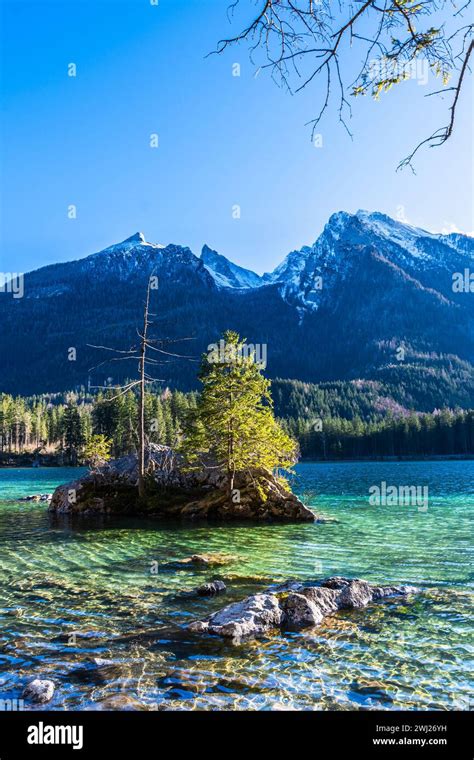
(70, 592)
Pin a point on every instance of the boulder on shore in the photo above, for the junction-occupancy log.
(173, 492)
(298, 606)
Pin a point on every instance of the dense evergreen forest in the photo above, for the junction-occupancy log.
(340, 420)
(441, 433)
(64, 423)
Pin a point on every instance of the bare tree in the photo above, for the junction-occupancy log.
(139, 353)
(380, 41)
(141, 401)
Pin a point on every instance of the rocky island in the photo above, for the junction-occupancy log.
(173, 492)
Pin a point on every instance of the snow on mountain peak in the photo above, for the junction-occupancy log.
(225, 273)
(137, 240)
(306, 276)
(209, 255)
(138, 237)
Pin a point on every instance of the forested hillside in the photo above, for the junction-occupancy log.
(330, 420)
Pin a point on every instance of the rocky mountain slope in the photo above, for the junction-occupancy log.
(372, 298)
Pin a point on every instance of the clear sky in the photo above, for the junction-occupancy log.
(223, 140)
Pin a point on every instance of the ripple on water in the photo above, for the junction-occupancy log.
(80, 604)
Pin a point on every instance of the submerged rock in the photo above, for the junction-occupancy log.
(99, 670)
(39, 691)
(37, 497)
(211, 589)
(301, 606)
(100, 662)
(121, 701)
(371, 690)
(173, 492)
(216, 559)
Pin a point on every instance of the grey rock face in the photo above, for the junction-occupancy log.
(39, 691)
(160, 462)
(355, 594)
(251, 617)
(300, 612)
(309, 606)
(302, 606)
(358, 593)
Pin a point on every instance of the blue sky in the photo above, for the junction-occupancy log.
(223, 140)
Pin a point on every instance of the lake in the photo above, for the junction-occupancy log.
(74, 591)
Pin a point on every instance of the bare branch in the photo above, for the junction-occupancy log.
(303, 39)
(444, 133)
(125, 390)
(117, 350)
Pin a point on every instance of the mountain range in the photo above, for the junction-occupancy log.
(371, 300)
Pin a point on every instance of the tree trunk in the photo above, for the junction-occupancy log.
(230, 453)
(141, 402)
(141, 428)
(230, 482)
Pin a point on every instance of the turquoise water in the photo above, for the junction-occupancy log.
(72, 591)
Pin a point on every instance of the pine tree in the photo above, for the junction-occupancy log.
(233, 427)
(97, 451)
(73, 432)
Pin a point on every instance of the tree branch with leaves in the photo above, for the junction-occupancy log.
(359, 48)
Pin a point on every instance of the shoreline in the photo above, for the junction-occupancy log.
(400, 458)
(328, 460)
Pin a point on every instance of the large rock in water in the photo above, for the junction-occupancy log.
(251, 617)
(294, 607)
(39, 691)
(173, 492)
